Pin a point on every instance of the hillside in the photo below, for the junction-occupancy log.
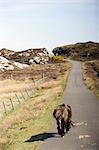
(29, 56)
(79, 51)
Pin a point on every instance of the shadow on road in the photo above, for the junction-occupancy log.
(41, 137)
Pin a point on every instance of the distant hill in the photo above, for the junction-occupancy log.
(29, 56)
(79, 51)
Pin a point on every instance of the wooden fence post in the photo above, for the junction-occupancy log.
(34, 82)
(22, 95)
(4, 107)
(12, 104)
(17, 98)
(31, 88)
(43, 76)
(27, 92)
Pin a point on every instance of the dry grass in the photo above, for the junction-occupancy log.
(8, 88)
(35, 71)
(34, 116)
(13, 81)
(90, 75)
(34, 108)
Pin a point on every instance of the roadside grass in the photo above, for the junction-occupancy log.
(8, 88)
(90, 78)
(13, 82)
(33, 117)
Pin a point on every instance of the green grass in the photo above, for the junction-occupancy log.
(22, 132)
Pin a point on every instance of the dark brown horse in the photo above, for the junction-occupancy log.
(63, 115)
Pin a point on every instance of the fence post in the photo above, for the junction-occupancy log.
(22, 95)
(31, 88)
(43, 76)
(34, 82)
(4, 107)
(17, 98)
(27, 92)
(12, 104)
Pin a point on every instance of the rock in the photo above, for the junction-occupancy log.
(3, 60)
(20, 65)
(31, 61)
(37, 60)
(84, 136)
(29, 56)
(9, 67)
(5, 64)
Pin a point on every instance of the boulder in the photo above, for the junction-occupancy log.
(3, 60)
(20, 65)
(5, 64)
(37, 59)
(31, 61)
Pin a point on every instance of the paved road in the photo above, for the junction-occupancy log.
(85, 106)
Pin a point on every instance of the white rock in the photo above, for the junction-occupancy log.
(37, 59)
(3, 60)
(84, 136)
(31, 61)
(6, 67)
(9, 67)
(20, 65)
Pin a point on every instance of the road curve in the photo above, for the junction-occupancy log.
(85, 107)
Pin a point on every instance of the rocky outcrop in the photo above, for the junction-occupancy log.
(30, 56)
(6, 64)
(79, 51)
(10, 60)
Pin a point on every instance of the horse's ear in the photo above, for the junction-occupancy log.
(68, 106)
(63, 105)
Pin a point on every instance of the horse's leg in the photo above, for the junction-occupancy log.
(68, 125)
(58, 127)
(62, 127)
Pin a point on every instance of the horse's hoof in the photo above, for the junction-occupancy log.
(62, 136)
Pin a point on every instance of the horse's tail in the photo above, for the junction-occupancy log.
(70, 116)
(69, 112)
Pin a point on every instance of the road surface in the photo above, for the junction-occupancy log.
(85, 107)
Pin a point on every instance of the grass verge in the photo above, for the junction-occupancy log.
(33, 117)
(90, 76)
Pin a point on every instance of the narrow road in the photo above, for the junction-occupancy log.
(85, 107)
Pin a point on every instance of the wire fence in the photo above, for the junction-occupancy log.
(19, 97)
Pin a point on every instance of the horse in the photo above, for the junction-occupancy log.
(63, 115)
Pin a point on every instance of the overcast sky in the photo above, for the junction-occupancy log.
(47, 23)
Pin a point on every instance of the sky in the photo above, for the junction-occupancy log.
(28, 24)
